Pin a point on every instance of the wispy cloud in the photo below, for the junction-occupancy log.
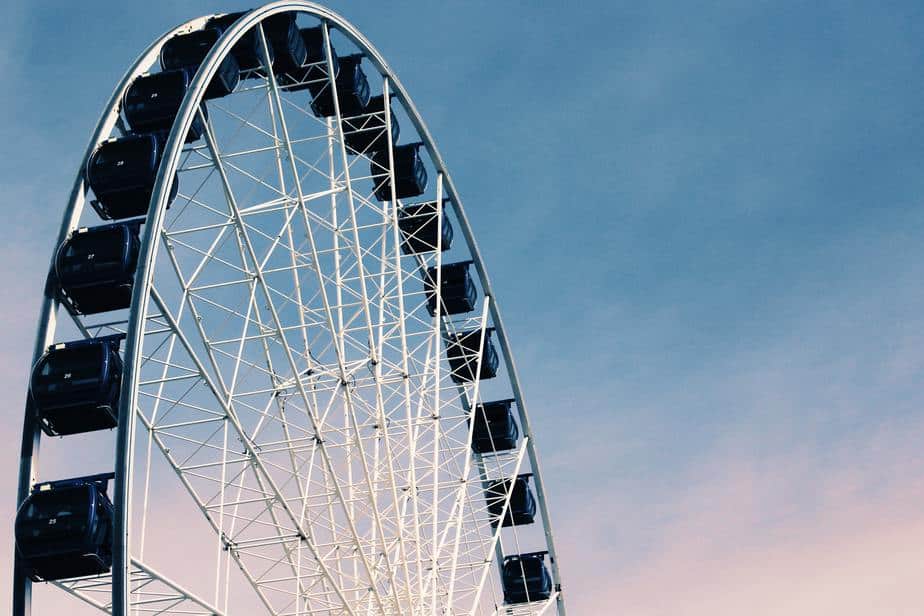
(788, 537)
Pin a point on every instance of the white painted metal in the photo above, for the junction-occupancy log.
(328, 451)
(152, 593)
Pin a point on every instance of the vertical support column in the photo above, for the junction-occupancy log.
(125, 441)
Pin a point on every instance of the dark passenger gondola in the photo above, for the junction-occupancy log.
(526, 579)
(312, 73)
(522, 508)
(462, 353)
(152, 102)
(247, 51)
(495, 428)
(365, 133)
(187, 51)
(410, 172)
(64, 529)
(457, 290)
(95, 268)
(285, 45)
(420, 227)
(122, 173)
(352, 90)
(75, 386)
(288, 48)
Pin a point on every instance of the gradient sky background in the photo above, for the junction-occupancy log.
(704, 222)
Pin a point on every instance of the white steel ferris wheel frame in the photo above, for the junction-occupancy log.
(127, 573)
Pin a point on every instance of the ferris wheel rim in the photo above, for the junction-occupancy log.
(154, 220)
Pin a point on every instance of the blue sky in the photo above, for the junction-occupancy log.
(703, 224)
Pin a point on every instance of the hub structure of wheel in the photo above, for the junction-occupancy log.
(266, 298)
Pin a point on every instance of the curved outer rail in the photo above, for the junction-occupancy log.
(144, 278)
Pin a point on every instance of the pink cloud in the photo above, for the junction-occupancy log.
(857, 561)
(797, 532)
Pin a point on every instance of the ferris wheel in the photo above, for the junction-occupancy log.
(266, 291)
